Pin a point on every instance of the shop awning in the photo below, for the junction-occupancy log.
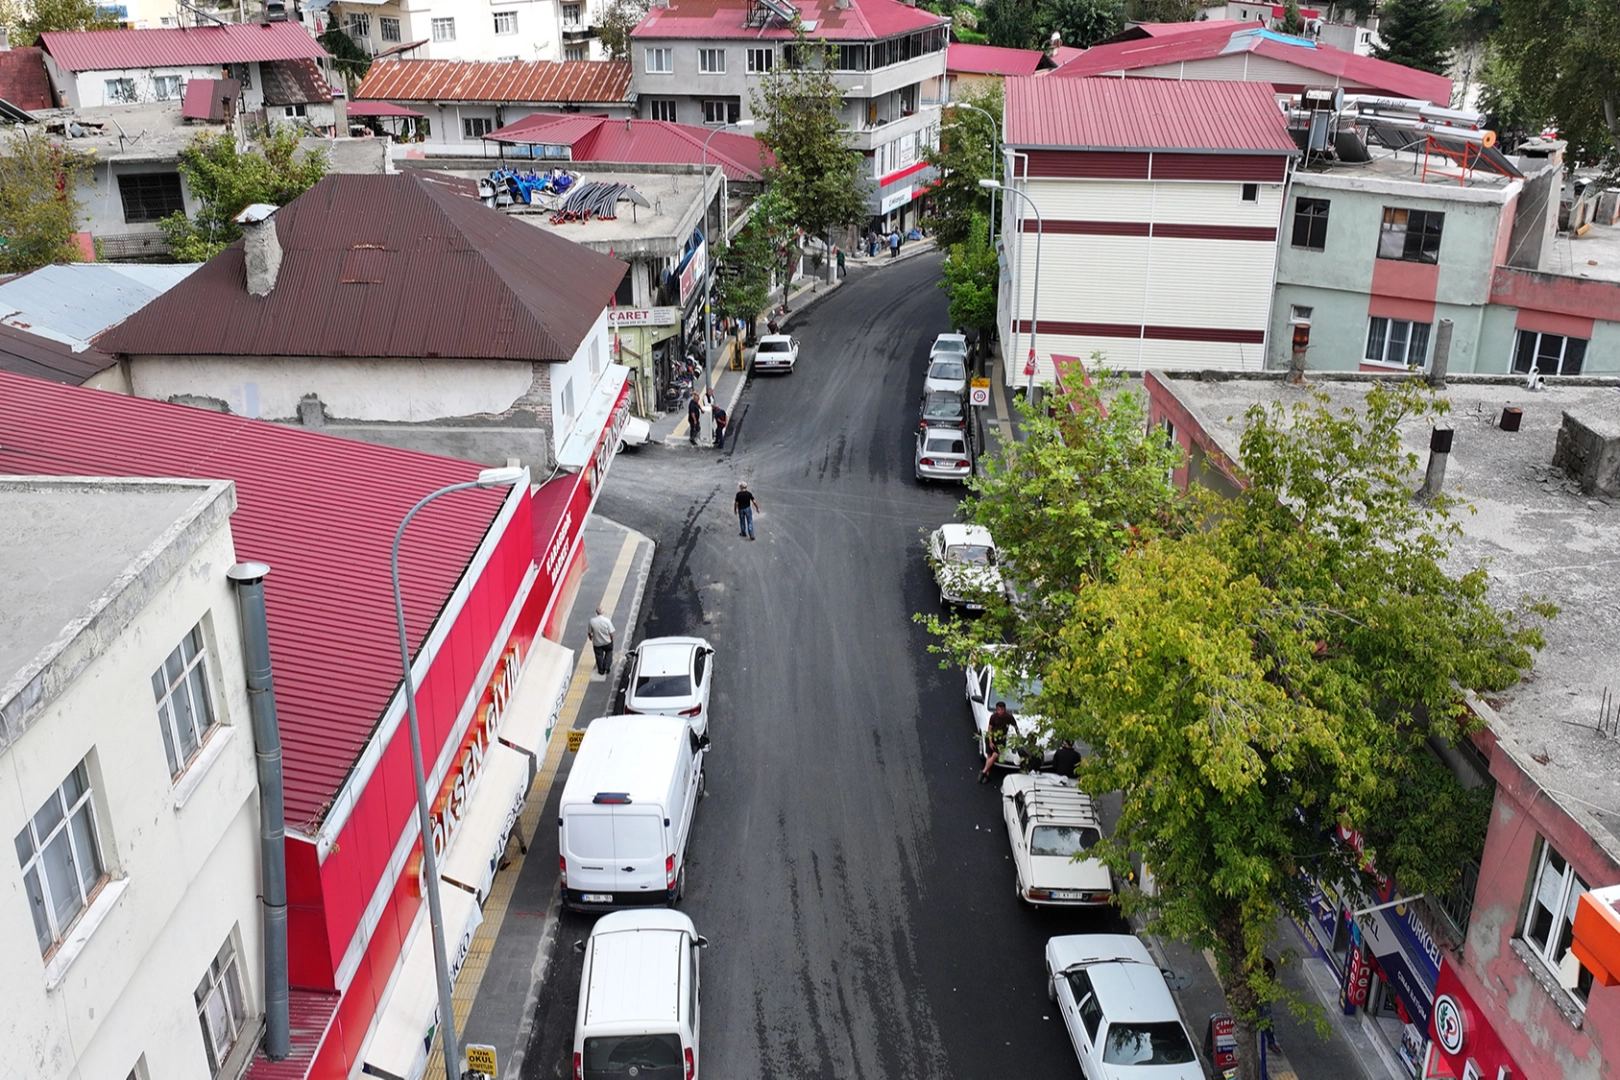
(497, 803)
(400, 1039)
(579, 447)
(533, 710)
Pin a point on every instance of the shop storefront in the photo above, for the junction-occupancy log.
(645, 341)
(1464, 1047)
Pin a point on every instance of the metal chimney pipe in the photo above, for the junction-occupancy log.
(249, 581)
(1442, 355)
(1434, 478)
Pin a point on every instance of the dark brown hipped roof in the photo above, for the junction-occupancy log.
(294, 82)
(386, 266)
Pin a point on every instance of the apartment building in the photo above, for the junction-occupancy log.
(445, 30)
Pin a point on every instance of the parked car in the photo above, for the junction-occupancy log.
(987, 685)
(639, 998)
(946, 373)
(777, 352)
(671, 676)
(944, 408)
(951, 345)
(1118, 1009)
(943, 454)
(964, 562)
(1050, 821)
(636, 433)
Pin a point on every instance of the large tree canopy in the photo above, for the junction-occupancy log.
(39, 207)
(1419, 34)
(965, 155)
(226, 181)
(1558, 61)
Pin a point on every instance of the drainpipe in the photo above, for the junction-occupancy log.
(249, 581)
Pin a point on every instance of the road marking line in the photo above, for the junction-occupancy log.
(471, 976)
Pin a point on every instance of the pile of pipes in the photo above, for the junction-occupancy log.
(596, 200)
(504, 187)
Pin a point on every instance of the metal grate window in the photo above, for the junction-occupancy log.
(185, 712)
(220, 1008)
(60, 855)
(1458, 905)
(661, 109)
(150, 196)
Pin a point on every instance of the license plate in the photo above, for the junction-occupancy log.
(1067, 894)
(596, 898)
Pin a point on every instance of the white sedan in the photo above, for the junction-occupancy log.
(671, 676)
(946, 373)
(777, 352)
(986, 687)
(1051, 824)
(636, 433)
(953, 346)
(1118, 1009)
(964, 562)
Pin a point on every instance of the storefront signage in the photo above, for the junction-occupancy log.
(891, 202)
(597, 470)
(694, 272)
(1465, 1044)
(625, 318)
(1450, 1026)
(1407, 956)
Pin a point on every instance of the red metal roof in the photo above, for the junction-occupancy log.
(640, 142)
(1213, 40)
(320, 510)
(295, 82)
(205, 98)
(386, 266)
(992, 59)
(310, 1014)
(727, 20)
(576, 82)
(24, 81)
(379, 108)
(1145, 114)
(237, 43)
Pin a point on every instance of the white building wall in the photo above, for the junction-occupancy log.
(185, 875)
(537, 36)
(571, 383)
(88, 89)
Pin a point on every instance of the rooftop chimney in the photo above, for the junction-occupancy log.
(261, 247)
(1434, 478)
(1442, 355)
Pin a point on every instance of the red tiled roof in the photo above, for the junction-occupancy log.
(992, 59)
(205, 98)
(727, 20)
(24, 81)
(1213, 40)
(320, 510)
(1145, 114)
(578, 82)
(237, 43)
(295, 82)
(386, 266)
(640, 142)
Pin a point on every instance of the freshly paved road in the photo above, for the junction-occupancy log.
(852, 879)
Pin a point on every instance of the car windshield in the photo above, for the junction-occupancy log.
(676, 686)
(1063, 841)
(943, 403)
(950, 345)
(972, 554)
(946, 446)
(773, 346)
(646, 1057)
(947, 369)
(1163, 1043)
(1014, 694)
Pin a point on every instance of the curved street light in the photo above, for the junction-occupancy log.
(1035, 302)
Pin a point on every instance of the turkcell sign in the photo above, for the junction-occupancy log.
(1408, 956)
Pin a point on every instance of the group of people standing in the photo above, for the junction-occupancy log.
(696, 407)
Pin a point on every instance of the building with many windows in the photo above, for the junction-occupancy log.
(703, 62)
(130, 922)
(444, 30)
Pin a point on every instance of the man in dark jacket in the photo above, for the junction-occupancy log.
(996, 734)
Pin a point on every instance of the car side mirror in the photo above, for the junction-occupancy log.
(704, 742)
(701, 942)
(579, 946)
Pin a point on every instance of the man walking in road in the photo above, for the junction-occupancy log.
(694, 419)
(720, 419)
(600, 634)
(841, 268)
(745, 503)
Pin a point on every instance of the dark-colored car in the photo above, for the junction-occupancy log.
(944, 408)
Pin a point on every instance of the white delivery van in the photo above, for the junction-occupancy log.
(638, 998)
(626, 812)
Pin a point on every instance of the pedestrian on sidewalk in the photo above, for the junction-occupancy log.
(745, 504)
(600, 634)
(995, 738)
(871, 246)
(841, 268)
(1066, 760)
(1265, 1010)
(694, 418)
(720, 419)
(894, 243)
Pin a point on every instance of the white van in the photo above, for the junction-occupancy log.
(638, 998)
(626, 812)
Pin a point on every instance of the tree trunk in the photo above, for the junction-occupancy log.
(1231, 951)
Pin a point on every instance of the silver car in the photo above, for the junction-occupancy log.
(943, 454)
(946, 373)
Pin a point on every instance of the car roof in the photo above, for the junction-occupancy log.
(667, 656)
(1132, 992)
(635, 755)
(1053, 800)
(947, 358)
(950, 337)
(956, 533)
(940, 395)
(636, 971)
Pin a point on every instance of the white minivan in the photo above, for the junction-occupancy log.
(639, 998)
(626, 812)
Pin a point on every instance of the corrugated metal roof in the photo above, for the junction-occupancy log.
(75, 302)
(321, 511)
(992, 59)
(24, 81)
(576, 82)
(23, 353)
(727, 20)
(237, 43)
(295, 82)
(444, 276)
(310, 1013)
(640, 142)
(1145, 114)
(205, 98)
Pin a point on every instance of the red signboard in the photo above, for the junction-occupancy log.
(1464, 1042)
(1357, 979)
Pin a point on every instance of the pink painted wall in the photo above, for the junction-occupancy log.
(1585, 298)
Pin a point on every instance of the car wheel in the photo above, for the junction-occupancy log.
(703, 782)
(1051, 985)
(620, 448)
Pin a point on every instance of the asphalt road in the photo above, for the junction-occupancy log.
(851, 877)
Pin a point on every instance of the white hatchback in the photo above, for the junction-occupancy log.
(1118, 1009)
(671, 676)
(1051, 824)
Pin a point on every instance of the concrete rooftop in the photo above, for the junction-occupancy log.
(659, 230)
(1596, 254)
(150, 132)
(1538, 536)
(1409, 167)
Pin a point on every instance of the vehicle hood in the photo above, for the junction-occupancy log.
(1190, 1071)
(959, 577)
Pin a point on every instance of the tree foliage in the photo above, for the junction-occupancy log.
(748, 262)
(1560, 62)
(1419, 34)
(971, 276)
(1292, 23)
(1162, 10)
(1259, 677)
(1030, 24)
(618, 18)
(965, 155)
(39, 211)
(25, 20)
(351, 61)
(226, 181)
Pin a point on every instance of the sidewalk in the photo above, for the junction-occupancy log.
(495, 992)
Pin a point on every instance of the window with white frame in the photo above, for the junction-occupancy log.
(476, 127)
(185, 711)
(721, 110)
(711, 61)
(760, 61)
(1298, 313)
(1549, 354)
(1397, 341)
(505, 23)
(167, 87)
(661, 109)
(388, 28)
(573, 15)
(444, 29)
(359, 24)
(121, 91)
(1549, 924)
(576, 52)
(59, 851)
(660, 61)
(221, 1010)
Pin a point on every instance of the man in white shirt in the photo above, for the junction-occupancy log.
(600, 635)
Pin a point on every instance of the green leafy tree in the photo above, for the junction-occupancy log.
(351, 61)
(618, 19)
(226, 181)
(1292, 23)
(1161, 10)
(1081, 23)
(1560, 60)
(1010, 24)
(965, 155)
(25, 20)
(1419, 34)
(971, 276)
(39, 210)
(749, 261)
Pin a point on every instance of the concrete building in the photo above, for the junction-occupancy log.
(703, 61)
(393, 309)
(529, 30)
(130, 922)
(1153, 236)
(1486, 981)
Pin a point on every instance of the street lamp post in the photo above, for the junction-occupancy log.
(430, 864)
(1035, 302)
(995, 152)
(708, 263)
